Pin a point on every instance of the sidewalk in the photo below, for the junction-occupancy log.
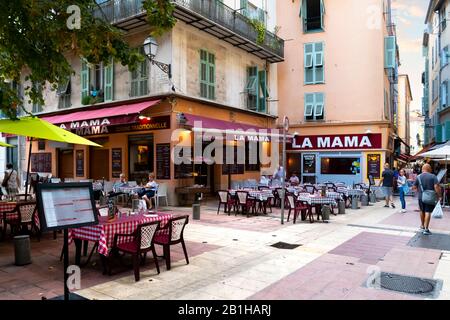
(231, 257)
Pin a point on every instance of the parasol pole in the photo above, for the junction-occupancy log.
(28, 168)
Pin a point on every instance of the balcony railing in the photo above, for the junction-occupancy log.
(128, 14)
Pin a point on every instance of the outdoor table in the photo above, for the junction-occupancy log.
(335, 195)
(316, 201)
(262, 196)
(104, 232)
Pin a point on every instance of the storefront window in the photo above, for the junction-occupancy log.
(141, 157)
(345, 166)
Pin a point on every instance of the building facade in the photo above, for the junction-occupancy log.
(338, 86)
(220, 74)
(436, 76)
(402, 121)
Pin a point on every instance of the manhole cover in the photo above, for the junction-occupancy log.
(409, 285)
(284, 245)
(435, 241)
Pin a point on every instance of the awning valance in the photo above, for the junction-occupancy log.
(209, 123)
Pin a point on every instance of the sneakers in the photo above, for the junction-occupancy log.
(403, 211)
(421, 229)
(393, 206)
(386, 206)
(426, 232)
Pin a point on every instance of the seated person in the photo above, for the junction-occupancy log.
(293, 180)
(117, 185)
(264, 181)
(149, 191)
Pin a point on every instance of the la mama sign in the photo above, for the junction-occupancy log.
(337, 142)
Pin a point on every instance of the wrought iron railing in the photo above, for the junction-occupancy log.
(115, 11)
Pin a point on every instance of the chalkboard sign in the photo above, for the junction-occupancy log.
(163, 161)
(80, 163)
(374, 165)
(116, 156)
(41, 162)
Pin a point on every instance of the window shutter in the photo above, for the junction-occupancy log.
(304, 15)
(108, 90)
(261, 15)
(244, 7)
(438, 133)
(211, 76)
(322, 13)
(389, 52)
(309, 55)
(265, 94)
(318, 54)
(203, 74)
(319, 105)
(447, 131)
(84, 78)
(309, 104)
(444, 94)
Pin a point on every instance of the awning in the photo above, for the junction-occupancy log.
(425, 149)
(209, 123)
(121, 114)
(404, 157)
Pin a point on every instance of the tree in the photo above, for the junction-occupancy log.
(36, 36)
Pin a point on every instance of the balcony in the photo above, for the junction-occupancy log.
(209, 16)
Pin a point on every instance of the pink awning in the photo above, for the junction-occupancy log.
(209, 123)
(122, 111)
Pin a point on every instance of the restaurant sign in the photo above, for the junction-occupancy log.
(115, 125)
(337, 142)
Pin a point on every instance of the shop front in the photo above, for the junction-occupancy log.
(346, 158)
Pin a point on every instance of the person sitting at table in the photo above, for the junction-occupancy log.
(293, 180)
(149, 192)
(264, 181)
(117, 185)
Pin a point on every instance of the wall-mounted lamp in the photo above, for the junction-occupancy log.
(151, 49)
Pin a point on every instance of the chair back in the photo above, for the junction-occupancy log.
(162, 190)
(176, 227)
(132, 183)
(242, 196)
(291, 200)
(26, 211)
(223, 196)
(310, 189)
(69, 180)
(145, 233)
(108, 186)
(55, 180)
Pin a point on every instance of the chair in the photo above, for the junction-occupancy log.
(26, 212)
(142, 242)
(310, 188)
(132, 183)
(108, 187)
(297, 206)
(55, 180)
(277, 198)
(172, 234)
(162, 193)
(245, 202)
(69, 180)
(227, 200)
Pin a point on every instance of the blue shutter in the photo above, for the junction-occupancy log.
(265, 94)
(389, 52)
(447, 131)
(244, 7)
(438, 133)
(108, 89)
(319, 106)
(303, 14)
(84, 79)
(322, 13)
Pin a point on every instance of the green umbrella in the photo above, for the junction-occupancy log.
(34, 127)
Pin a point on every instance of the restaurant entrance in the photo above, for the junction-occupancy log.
(65, 163)
(141, 157)
(98, 163)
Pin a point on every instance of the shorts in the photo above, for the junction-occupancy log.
(426, 207)
(387, 191)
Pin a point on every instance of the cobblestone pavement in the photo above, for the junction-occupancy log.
(231, 257)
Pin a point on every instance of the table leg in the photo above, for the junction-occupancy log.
(85, 248)
(78, 245)
(105, 264)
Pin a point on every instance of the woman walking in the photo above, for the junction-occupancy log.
(11, 181)
(402, 186)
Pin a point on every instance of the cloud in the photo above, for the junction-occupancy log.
(405, 8)
(410, 45)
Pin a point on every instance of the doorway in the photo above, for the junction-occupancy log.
(65, 163)
(141, 157)
(98, 163)
(309, 168)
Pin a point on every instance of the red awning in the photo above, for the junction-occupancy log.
(209, 123)
(424, 149)
(120, 114)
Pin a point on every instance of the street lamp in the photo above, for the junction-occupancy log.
(151, 49)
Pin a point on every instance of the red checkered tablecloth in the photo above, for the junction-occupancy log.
(104, 232)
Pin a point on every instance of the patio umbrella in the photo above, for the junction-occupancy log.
(34, 127)
(439, 153)
(2, 144)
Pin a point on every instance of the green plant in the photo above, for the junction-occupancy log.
(160, 16)
(260, 30)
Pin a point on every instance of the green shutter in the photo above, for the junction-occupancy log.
(84, 79)
(244, 7)
(389, 52)
(319, 105)
(314, 61)
(265, 94)
(447, 131)
(211, 76)
(322, 13)
(309, 105)
(304, 15)
(207, 75)
(438, 133)
(109, 81)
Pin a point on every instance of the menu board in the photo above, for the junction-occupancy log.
(163, 161)
(116, 162)
(41, 162)
(79, 163)
(309, 163)
(374, 165)
(65, 205)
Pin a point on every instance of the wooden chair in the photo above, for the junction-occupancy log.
(142, 242)
(245, 203)
(227, 200)
(172, 234)
(26, 212)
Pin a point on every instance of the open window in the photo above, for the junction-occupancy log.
(312, 14)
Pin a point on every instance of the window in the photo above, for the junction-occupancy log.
(37, 107)
(389, 52)
(63, 93)
(252, 12)
(340, 166)
(312, 14)
(97, 81)
(207, 75)
(445, 56)
(256, 89)
(444, 94)
(139, 78)
(443, 18)
(314, 63)
(314, 106)
(386, 105)
(435, 89)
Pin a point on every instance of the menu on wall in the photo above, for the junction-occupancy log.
(41, 162)
(80, 163)
(374, 165)
(116, 156)
(163, 161)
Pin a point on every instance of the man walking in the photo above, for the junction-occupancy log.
(428, 183)
(387, 183)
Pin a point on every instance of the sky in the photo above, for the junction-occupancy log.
(409, 16)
